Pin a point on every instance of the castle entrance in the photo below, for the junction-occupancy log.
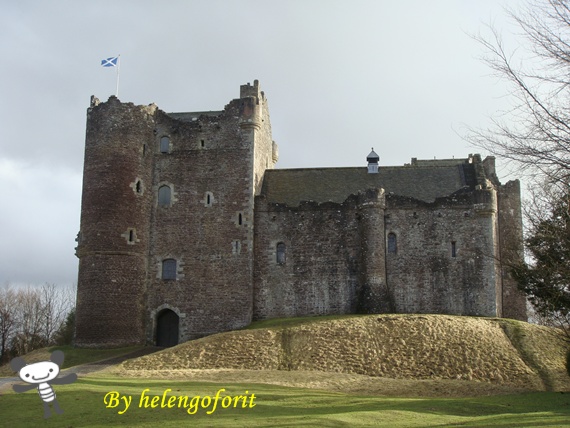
(167, 328)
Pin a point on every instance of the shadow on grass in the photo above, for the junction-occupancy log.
(275, 406)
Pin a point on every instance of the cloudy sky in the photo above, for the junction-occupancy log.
(340, 76)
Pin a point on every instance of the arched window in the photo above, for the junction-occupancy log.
(164, 144)
(164, 196)
(281, 253)
(392, 243)
(169, 269)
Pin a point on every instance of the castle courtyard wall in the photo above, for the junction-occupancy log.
(445, 256)
(322, 260)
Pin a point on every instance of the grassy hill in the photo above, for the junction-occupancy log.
(501, 352)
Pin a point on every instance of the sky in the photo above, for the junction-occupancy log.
(340, 76)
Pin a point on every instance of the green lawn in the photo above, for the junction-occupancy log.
(83, 403)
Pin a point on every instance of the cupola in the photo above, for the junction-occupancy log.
(372, 160)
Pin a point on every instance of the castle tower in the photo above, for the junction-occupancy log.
(166, 241)
(213, 168)
(113, 241)
(375, 296)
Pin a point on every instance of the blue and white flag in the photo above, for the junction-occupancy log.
(110, 62)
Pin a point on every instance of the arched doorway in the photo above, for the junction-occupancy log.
(167, 328)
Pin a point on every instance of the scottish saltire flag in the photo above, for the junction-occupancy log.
(110, 62)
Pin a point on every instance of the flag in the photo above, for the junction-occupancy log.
(110, 62)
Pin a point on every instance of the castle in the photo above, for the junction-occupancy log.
(187, 230)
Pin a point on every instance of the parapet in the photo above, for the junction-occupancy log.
(251, 91)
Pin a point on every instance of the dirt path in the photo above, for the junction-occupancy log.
(83, 369)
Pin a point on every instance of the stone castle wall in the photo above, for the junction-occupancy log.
(338, 259)
(240, 257)
(444, 261)
(115, 221)
(319, 273)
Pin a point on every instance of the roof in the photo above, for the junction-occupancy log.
(425, 182)
(373, 157)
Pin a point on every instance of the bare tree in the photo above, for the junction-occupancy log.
(535, 133)
(34, 315)
(7, 320)
(56, 303)
(30, 319)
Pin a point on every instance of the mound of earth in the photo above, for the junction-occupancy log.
(420, 347)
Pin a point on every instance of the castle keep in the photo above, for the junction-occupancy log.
(188, 230)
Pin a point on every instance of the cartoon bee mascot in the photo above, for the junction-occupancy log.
(42, 375)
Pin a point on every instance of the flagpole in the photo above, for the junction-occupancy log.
(118, 69)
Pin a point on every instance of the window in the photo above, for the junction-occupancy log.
(281, 256)
(240, 219)
(169, 269)
(392, 243)
(164, 145)
(164, 194)
(131, 235)
(208, 199)
(138, 186)
(453, 249)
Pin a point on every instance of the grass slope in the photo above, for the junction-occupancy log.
(420, 347)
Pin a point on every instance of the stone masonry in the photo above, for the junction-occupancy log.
(188, 230)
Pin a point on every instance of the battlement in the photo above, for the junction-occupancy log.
(187, 230)
(437, 162)
(194, 116)
(248, 90)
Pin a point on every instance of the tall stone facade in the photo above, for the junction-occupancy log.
(187, 230)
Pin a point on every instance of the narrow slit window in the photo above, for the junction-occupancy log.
(164, 196)
(281, 253)
(392, 243)
(202, 144)
(453, 249)
(208, 199)
(138, 186)
(169, 269)
(240, 219)
(164, 145)
(131, 235)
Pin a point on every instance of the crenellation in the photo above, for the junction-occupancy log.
(188, 230)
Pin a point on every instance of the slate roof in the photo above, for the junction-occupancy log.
(423, 181)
